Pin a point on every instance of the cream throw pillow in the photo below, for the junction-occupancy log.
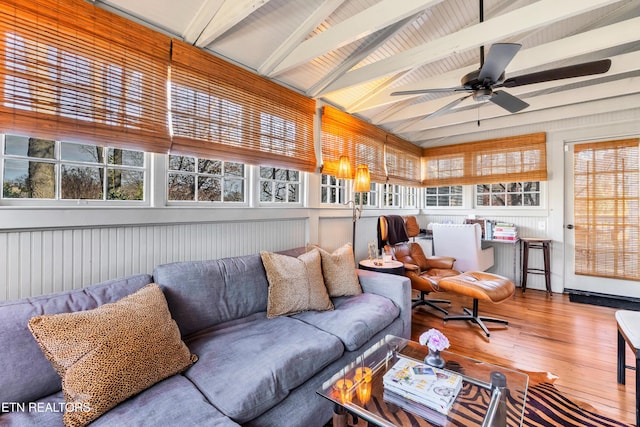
(112, 352)
(295, 284)
(339, 271)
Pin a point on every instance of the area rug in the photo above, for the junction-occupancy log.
(545, 407)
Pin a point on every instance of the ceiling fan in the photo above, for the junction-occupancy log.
(481, 84)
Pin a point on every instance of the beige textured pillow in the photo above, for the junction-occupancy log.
(339, 271)
(295, 284)
(112, 352)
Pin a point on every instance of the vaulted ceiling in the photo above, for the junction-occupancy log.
(354, 53)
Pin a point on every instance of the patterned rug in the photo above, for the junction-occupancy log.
(545, 407)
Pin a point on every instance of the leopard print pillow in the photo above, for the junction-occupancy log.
(110, 353)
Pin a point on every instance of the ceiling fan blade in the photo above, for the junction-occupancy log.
(499, 56)
(507, 101)
(578, 70)
(440, 111)
(423, 91)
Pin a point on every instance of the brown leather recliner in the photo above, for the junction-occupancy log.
(424, 272)
(431, 274)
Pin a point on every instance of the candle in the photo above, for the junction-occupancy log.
(343, 387)
(363, 372)
(363, 381)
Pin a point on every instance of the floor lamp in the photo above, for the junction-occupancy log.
(362, 184)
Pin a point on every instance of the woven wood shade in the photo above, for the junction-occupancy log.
(345, 135)
(511, 159)
(70, 70)
(403, 161)
(607, 209)
(224, 112)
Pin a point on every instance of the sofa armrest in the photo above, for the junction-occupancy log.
(396, 288)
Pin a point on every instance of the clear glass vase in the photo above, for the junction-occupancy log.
(434, 358)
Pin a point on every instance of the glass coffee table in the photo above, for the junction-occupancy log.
(491, 395)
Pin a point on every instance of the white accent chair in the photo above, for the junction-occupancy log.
(464, 243)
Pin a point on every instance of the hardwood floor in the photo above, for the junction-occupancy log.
(576, 342)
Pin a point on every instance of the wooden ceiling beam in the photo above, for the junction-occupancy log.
(228, 15)
(365, 23)
(297, 37)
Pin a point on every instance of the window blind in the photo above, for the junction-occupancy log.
(72, 71)
(607, 209)
(224, 112)
(402, 160)
(343, 134)
(510, 159)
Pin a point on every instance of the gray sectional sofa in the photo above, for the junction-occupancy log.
(251, 370)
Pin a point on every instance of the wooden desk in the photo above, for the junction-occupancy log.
(392, 267)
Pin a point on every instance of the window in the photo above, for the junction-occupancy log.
(333, 190)
(35, 168)
(224, 112)
(508, 194)
(410, 197)
(370, 198)
(76, 72)
(443, 196)
(515, 158)
(391, 196)
(279, 185)
(204, 180)
(606, 209)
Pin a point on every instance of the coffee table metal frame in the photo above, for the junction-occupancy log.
(382, 355)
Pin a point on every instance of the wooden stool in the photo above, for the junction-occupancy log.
(629, 333)
(536, 243)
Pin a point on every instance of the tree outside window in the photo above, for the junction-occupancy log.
(205, 180)
(36, 168)
(279, 185)
(517, 194)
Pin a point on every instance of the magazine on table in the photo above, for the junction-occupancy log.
(424, 384)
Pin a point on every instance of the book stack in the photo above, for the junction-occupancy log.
(413, 386)
(505, 231)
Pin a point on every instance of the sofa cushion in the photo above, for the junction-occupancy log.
(295, 284)
(156, 406)
(339, 271)
(28, 375)
(249, 365)
(112, 352)
(202, 294)
(355, 319)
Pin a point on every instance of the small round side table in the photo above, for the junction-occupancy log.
(392, 267)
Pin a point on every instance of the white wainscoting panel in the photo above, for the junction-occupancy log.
(36, 262)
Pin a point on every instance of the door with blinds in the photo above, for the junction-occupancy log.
(602, 223)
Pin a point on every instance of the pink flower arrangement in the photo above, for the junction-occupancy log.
(434, 339)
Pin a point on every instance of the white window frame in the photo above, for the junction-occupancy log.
(447, 194)
(299, 183)
(330, 182)
(541, 197)
(410, 197)
(196, 174)
(59, 163)
(391, 192)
